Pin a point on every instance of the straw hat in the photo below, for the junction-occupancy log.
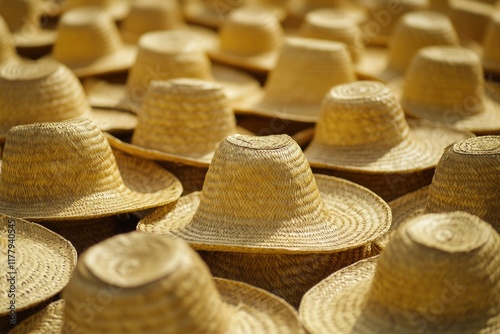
(491, 47)
(165, 55)
(413, 31)
(321, 215)
(471, 18)
(438, 275)
(8, 53)
(182, 120)
(151, 284)
(89, 43)
(23, 20)
(446, 85)
(38, 262)
(44, 157)
(306, 69)
(152, 15)
(248, 40)
(47, 91)
(117, 9)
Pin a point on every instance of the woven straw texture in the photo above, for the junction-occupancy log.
(260, 196)
(438, 275)
(191, 178)
(8, 53)
(250, 41)
(362, 129)
(491, 46)
(152, 284)
(48, 91)
(446, 85)
(40, 159)
(46, 321)
(89, 43)
(306, 69)
(117, 9)
(44, 262)
(288, 276)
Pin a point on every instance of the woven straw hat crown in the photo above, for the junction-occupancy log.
(491, 48)
(188, 117)
(467, 179)
(416, 30)
(22, 16)
(7, 49)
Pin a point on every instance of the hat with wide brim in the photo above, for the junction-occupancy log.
(40, 264)
(34, 39)
(354, 216)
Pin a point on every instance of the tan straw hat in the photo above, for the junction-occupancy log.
(23, 18)
(438, 275)
(446, 85)
(8, 53)
(36, 264)
(152, 15)
(260, 196)
(145, 283)
(306, 69)
(89, 43)
(117, 9)
(167, 55)
(362, 130)
(67, 171)
(413, 31)
(471, 18)
(249, 40)
(47, 91)
(491, 46)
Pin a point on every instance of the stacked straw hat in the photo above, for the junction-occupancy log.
(446, 85)
(149, 284)
(8, 53)
(466, 179)
(180, 124)
(36, 265)
(306, 69)
(117, 9)
(413, 31)
(491, 47)
(167, 55)
(23, 18)
(249, 40)
(72, 174)
(150, 15)
(438, 275)
(362, 135)
(261, 207)
(47, 91)
(89, 43)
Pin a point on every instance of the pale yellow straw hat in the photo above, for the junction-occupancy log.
(36, 264)
(23, 17)
(71, 173)
(89, 43)
(8, 53)
(446, 85)
(306, 69)
(491, 47)
(438, 275)
(249, 40)
(117, 9)
(47, 91)
(150, 284)
(151, 15)
(413, 31)
(165, 55)
(471, 18)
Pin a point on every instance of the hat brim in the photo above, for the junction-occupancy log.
(353, 216)
(44, 263)
(147, 185)
(421, 151)
(237, 86)
(260, 63)
(151, 154)
(34, 39)
(256, 311)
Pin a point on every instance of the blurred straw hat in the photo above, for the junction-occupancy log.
(8, 53)
(241, 207)
(413, 31)
(42, 266)
(491, 46)
(23, 17)
(471, 18)
(182, 121)
(445, 84)
(306, 69)
(156, 284)
(47, 91)
(438, 275)
(117, 9)
(89, 43)
(249, 40)
(167, 55)
(151, 15)
(44, 157)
